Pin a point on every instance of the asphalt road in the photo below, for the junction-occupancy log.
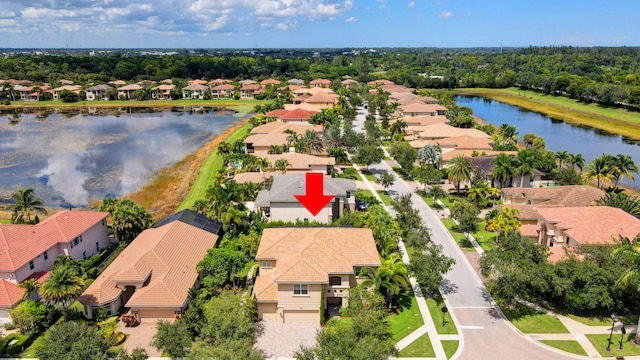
(486, 333)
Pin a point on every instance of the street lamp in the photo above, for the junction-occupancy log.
(614, 317)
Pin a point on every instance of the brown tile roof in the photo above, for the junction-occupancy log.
(168, 255)
(198, 81)
(303, 106)
(529, 230)
(527, 212)
(348, 82)
(297, 114)
(196, 87)
(165, 87)
(10, 293)
(270, 82)
(264, 288)
(380, 82)
(117, 82)
(558, 253)
(447, 156)
(276, 113)
(130, 87)
(20, 244)
(466, 142)
(300, 161)
(309, 255)
(569, 196)
(262, 140)
(321, 98)
(441, 130)
(320, 81)
(420, 122)
(254, 177)
(420, 107)
(68, 87)
(224, 87)
(592, 225)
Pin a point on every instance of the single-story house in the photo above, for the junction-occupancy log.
(305, 269)
(483, 163)
(152, 277)
(26, 250)
(442, 130)
(280, 203)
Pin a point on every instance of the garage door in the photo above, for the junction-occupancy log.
(302, 316)
(154, 315)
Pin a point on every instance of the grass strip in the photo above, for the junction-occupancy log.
(435, 305)
(420, 348)
(406, 321)
(612, 120)
(570, 346)
(600, 341)
(209, 171)
(530, 321)
(386, 198)
(450, 347)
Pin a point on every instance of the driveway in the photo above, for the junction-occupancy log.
(140, 337)
(280, 341)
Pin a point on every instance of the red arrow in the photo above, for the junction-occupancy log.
(314, 200)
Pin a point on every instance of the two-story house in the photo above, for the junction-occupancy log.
(29, 250)
(305, 269)
(97, 92)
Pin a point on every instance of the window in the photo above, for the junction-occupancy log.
(97, 246)
(103, 223)
(46, 256)
(266, 264)
(71, 242)
(80, 237)
(335, 280)
(76, 241)
(357, 270)
(84, 255)
(31, 266)
(348, 194)
(300, 289)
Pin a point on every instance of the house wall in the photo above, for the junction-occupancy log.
(341, 290)
(153, 314)
(268, 311)
(293, 211)
(287, 301)
(113, 306)
(526, 182)
(87, 247)
(4, 315)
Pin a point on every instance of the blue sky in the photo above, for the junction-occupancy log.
(316, 23)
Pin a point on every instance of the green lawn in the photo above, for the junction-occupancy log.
(570, 346)
(485, 238)
(602, 321)
(369, 176)
(419, 348)
(209, 171)
(386, 198)
(458, 237)
(5, 221)
(406, 322)
(530, 321)
(435, 306)
(401, 173)
(600, 342)
(450, 347)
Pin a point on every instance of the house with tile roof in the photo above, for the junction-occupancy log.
(380, 82)
(29, 250)
(305, 269)
(322, 83)
(152, 277)
(97, 92)
(262, 142)
(585, 225)
(162, 91)
(295, 81)
(194, 91)
(303, 162)
(250, 91)
(419, 108)
(280, 203)
(484, 165)
(73, 88)
(223, 91)
(322, 100)
(126, 92)
(270, 81)
(442, 130)
(348, 83)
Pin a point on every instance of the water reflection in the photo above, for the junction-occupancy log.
(74, 157)
(576, 139)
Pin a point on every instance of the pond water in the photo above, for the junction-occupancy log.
(558, 135)
(74, 157)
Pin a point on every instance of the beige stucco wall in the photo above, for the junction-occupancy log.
(153, 314)
(267, 311)
(293, 211)
(287, 301)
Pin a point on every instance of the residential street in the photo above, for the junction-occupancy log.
(486, 334)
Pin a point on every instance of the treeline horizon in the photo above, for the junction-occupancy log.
(605, 75)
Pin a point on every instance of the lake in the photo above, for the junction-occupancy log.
(589, 142)
(75, 157)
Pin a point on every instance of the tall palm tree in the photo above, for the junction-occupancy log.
(26, 203)
(233, 218)
(282, 165)
(600, 169)
(576, 161)
(333, 137)
(292, 137)
(508, 134)
(631, 251)
(460, 169)
(62, 287)
(222, 195)
(312, 142)
(391, 277)
(623, 165)
(504, 169)
(562, 157)
(526, 165)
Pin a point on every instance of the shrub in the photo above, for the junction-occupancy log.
(30, 316)
(22, 341)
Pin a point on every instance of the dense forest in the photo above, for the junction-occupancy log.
(606, 75)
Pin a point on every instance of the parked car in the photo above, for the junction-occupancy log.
(362, 206)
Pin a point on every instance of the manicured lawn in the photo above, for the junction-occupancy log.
(369, 176)
(529, 321)
(406, 322)
(30, 352)
(600, 342)
(458, 237)
(5, 221)
(602, 321)
(209, 171)
(401, 173)
(435, 306)
(485, 238)
(613, 120)
(419, 348)
(570, 346)
(450, 347)
(386, 198)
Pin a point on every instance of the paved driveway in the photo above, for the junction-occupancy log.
(140, 337)
(280, 341)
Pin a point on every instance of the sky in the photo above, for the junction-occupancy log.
(316, 23)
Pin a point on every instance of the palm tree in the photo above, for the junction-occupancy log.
(25, 204)
(62, 287)
(562, 157)
(623, 165)
(222, 195)
(504, 169)
(391, 276)
(292, 137)
(333, 137)
(600, 169)
(631, 251)
(233, 218)
(30, 286)
(506, 221)
(576, 160)
(282, 165)
(628, 203)
(508, 134)
(526, 165)
(459, 170)
(437, 192)
(529, 139)
(481, 190)
(311, 142)
(430, 154)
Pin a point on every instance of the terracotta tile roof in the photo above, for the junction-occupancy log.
(396, 89)
(527, 212)
(447, 156)
(68, 87)
(165, 87)
(529, 230)
(260, 140)
(275, 113)
(321, 98)
(270, 82)
(420, 107)
(592, 225)
(254, 177)
(168, 255)
(569, 196)
(10, 293)
(130, 87)
(419, 123)
(251, 87)
(310, 255)
(39, 276)
(247, 82)
(196, 87)
(348, 82)
(297, 114)
(304, 106)
(224, 87)
(320, 81)
(281, 127)
(466, 142)
(117, 82)
(300, 161)
(558, 253)
(167, 81)
(380, 82)
(264, 289)
(198, 81)
(440, 130)
(312, 91)
(20, 244)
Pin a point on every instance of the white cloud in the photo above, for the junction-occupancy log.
(445, 14)
(282, 26)
(410, 5)
(382, 7)
(7, 14)
(351, 19)
(218, 23)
